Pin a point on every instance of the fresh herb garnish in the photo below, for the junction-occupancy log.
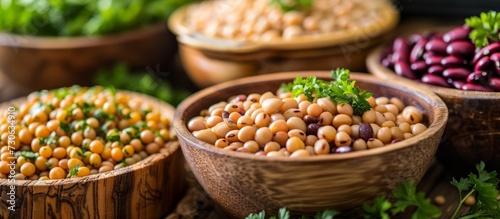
(484, 28)
(74, 171)
(113, 137)
(29, 155)
(340, 91)
(52, 139)
(283, 213)
(293, 5)
(48, 164)
(484, 187)
(65, 127)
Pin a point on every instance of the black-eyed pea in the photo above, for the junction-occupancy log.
(249, 112)
(371, 101)
(275, 154)
(359, 145)
(280, 137)
(292, 31)
(321, 147)
(356, 119)
(231, 148)
(412, 115)
(398, 103)
(303, 105)
(293, 113)
(232, 136)
(297, 133)
(285, 152)
(327, 105)
(384, 135)
(277, 116)
(260, 154)
(272, 105)
(380, 118)
(247, 133)
(257, 112)
(310, 140)
(342, 139)
(310, 149)
(217, 112)
(341, 119)
(197, 123)
(300, 153)
(293, 144)
(232, 107)
(381, 108)
(389, 116)
(211, 121)
(279, 125)
(296, 123)
(221, 143)
(262, 120)
(221, 129)
(381, 100)
(345, 109)
(374, 143)
(266, 96)
(301, 98)
(355, 131)
(375, 129)
(206, 135)
(219, 105)
(289, 103)
(244, 121)
(272, 146)
(388, 124)
(407, 135)
(327, 132)
(314, 110)
(397, 133)
(405, 127)
(263, 135)
(325, 118)
(369, 116)
(418, 128)
(254, 97)
(247, 104)
(234, 116)
(391, 108)
(256, 106)
(251, 146)
(345, 128)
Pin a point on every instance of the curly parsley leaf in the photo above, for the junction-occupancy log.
(485, 28)
(74, 171)
(407, 197)
(29, 155)
(378, 209)
(293, 5)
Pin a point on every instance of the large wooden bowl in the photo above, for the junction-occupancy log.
(36, 63)
(148, 189)
(243, 183)
(473, 130)
(210, 61)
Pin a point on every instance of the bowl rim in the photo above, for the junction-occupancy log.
(375, 68)
(438, 123)
(388, 20)
(172, 147)
(66, 42)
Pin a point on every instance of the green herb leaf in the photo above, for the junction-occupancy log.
(48, 164)
(293, 5)
(378, 209)
(327, 214)
(484, 28)
(113, 138)
(74, 171)
(29, 155)
(283, 214)
(260, 215)
(65, 127)
(407, 196)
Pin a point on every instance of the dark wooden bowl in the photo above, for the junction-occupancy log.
(473, 130)
(244, 183)
(37, 63)
(148, 189)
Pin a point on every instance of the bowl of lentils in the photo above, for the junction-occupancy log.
(222, 40)
(462, 66)
(305, 141)
(88, 152)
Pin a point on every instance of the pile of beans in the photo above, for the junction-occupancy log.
(447, 60)
(260, 20)
(75, 132)
(278, 125)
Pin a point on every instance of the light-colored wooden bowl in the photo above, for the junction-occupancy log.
(209, 61)
(148, 189)
(473, 130)
(243, 183)
(37, 63)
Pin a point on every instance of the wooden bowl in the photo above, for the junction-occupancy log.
(243, 183)
(210, 61)
(148, 189)
(37, 63)
(473, 130)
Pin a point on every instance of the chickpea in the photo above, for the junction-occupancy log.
(57, 173)
(359, 145)
(151, 148)
(294, 143)
(28, 169)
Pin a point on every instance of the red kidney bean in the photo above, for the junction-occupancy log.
(478, 77)
(458, 84)
(400, 44)
(386, 63)
(403, 69)
(415, 38)
(400, 55)
(433, 60)
(486, 51)
(483, 64)
(494, 83)
(418, 66)
(418, 50)
(428, 54)
(365, 131)
(434, 80)
(476, 87)
(452, 61)
(436, 45)
(343, 149)
(456, 73)
(436, 70)
(461, 48)
(458, 33)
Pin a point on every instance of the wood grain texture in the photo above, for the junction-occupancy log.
(473, 130)
(243, 183)
(148, 189)
(37, 63)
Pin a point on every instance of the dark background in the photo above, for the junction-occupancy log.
(455, 9)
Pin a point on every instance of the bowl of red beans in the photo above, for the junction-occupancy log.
(282, 140)
(465, 73)
(223, 39)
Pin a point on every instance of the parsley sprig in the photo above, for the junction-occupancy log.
(484, 187)
(283, 213)
(341, 90)
(484, 28)
(293, 5)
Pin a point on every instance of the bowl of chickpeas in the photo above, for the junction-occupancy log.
(253, 146)
(222, 40)
(88, 152)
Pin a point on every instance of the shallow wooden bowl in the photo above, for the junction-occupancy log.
(244, 183)
(209, 61)
(473, 130)
(37, 63)
(148, 189)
